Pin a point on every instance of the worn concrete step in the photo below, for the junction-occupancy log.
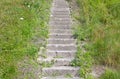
(58, 77)
(60, 31)
(61, 71)
(61, 47)
(61, 36)
(60, 13)
(60, 26)
(59, 1)
(60, 16)
(61, 54)
(61, 5)
(56, 61)
(60, 22)
(66, 26)
(61, 41)
(60, 19)
(60, 10)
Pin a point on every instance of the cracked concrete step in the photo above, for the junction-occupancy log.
(61, 41)
(61, 71)
(56, 61)
(62, 54)
(61, 47)
(61, 36)
(57, 77)
(60, 31)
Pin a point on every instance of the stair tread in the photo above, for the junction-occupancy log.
(62, 68)
(60, 78)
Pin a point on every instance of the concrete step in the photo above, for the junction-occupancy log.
(61, 41)
(60, 16)
(60, 9)
(61, 22)
(59, 25)
(60, 19)
(57, 77)
(60, 31)
(60, 5)
(61, 36)
(62, 26)
(56, 61)
(60, 54)
(61, 47)
(60, 71)
(60, 13)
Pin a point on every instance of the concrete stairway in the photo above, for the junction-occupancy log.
(61, 47)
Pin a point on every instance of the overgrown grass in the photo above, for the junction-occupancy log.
(99, 27)
(111, 74)
(21, 23)
(100, 24)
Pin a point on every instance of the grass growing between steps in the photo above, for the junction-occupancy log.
(23, 28)
(99, 30)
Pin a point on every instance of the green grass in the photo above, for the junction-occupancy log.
(98, 26)
(21, 23)
(111, 74)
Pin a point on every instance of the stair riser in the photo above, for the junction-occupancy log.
(60, 31)
(62, 27)
(60, 13)
(60, 22)
(57, 62)
(61, 41)
(61, 48)
(61, 16)
(61, 54)
(61, 36)
(60, 78)
(59, 72)
(60, 19)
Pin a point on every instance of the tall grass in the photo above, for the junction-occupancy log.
(100, 24)
(111, 74)
(21, 21)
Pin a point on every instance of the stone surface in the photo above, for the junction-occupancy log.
(60, 71)
(60, 78)
(61, 45)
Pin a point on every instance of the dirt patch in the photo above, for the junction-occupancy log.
(97, 71)
(28, 69)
